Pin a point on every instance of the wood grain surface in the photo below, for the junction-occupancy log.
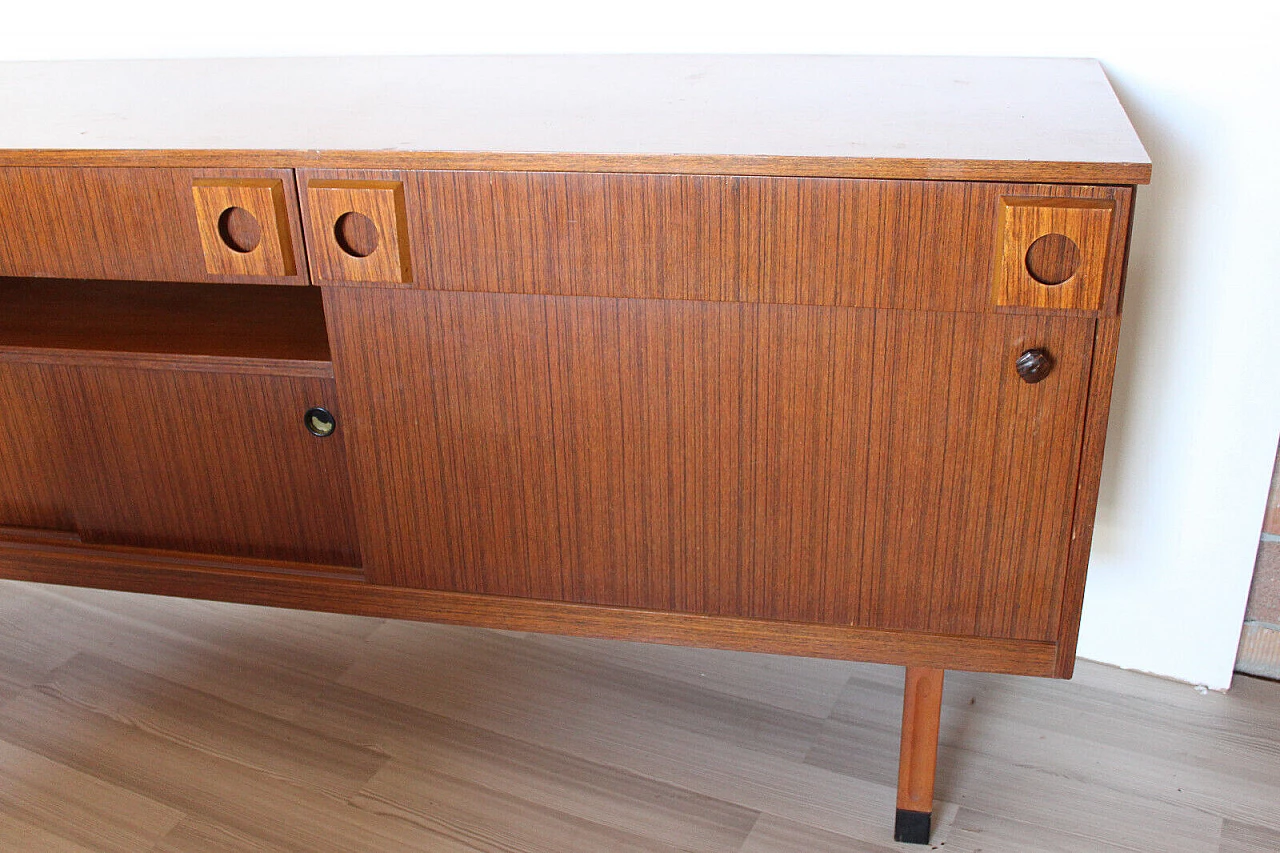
(886, 244)
(131, 722)
(1105, 348)
(967, 118)
(880, 469)
(117, 223)
(203, 462)
(259, 203)
(199, 460)
(918, 754)
(63, 559)
(34, 486)
(1076, 174)
(759, 391)
(970, 480)
(1085, 225)
(45, 317)
(378, 197)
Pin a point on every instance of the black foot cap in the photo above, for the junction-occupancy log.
(912, 827)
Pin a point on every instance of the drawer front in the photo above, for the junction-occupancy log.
(886, 469)
(922, 245)
(207, 462)
(150, 224)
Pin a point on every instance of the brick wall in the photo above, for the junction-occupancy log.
(1260, 641)
(1271, 525)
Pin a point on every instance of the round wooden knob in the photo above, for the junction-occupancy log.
(1034, 365)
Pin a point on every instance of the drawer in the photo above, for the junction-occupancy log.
(922, 245)
(150, 224)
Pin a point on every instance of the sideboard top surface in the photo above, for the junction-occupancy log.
(952, 118)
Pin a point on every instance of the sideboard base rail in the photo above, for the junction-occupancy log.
(59, 558)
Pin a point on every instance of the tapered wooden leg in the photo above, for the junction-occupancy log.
(921, 712)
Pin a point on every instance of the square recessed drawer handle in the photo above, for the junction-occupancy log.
(361, 231)
(244, 226)
(1052, 253)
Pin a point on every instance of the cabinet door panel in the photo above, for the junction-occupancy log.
(205, 462)
(844, 466)
(32, 477)
(970, 482)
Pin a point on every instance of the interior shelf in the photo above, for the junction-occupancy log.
(165, 319)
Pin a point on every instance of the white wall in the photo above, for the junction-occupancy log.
(1197, 404)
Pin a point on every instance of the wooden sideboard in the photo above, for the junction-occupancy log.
(805, 355)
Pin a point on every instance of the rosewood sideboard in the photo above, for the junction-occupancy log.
(803, 355)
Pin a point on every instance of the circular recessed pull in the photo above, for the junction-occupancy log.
(356, 234)
(239, 230)
(1034, 365)
(1052, 259)
(319, 422)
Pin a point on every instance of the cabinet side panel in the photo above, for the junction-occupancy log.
(1105, 350)
(1095, 435)
(32, 454)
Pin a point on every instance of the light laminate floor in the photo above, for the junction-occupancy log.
(135, 723)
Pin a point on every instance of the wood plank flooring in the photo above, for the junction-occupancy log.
(139, 723)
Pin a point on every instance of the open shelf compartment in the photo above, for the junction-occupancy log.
(72, 316)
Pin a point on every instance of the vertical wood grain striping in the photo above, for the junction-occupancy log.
(34, 490)
(625, 451)
(969, 486)
(206, 462)
(885, 469)
(1106, 345)
(1038, 446)
(924, 245)
(117, 223)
